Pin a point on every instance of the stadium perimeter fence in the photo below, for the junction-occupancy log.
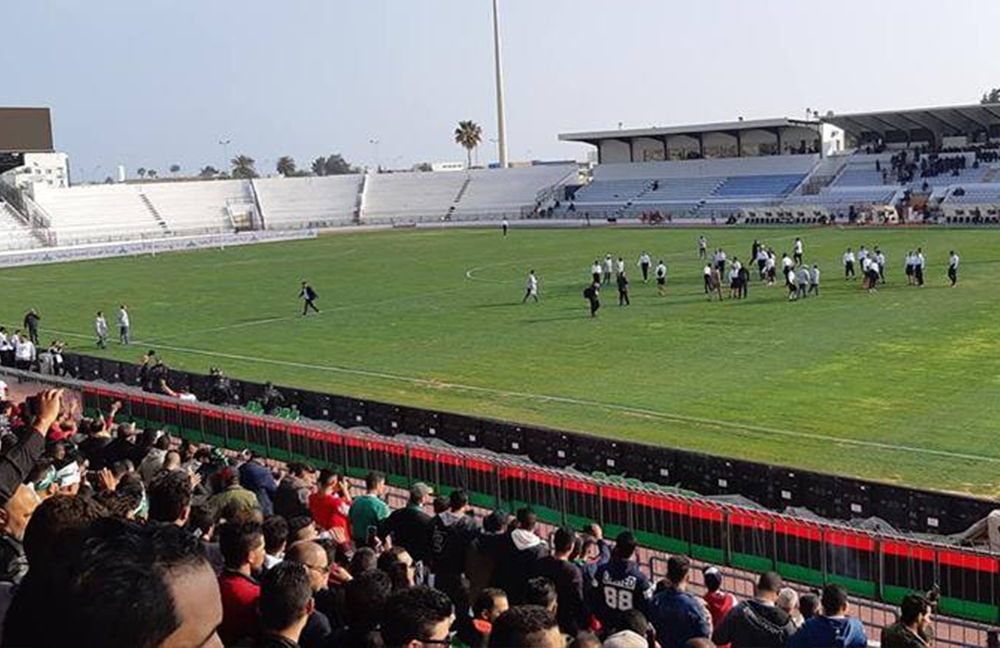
(878, 570)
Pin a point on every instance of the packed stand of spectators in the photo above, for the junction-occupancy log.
(116, 537)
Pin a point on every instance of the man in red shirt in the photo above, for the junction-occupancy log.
(330, 506)
(242, 547)
(718, 602)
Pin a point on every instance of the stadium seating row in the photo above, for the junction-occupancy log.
(14, 234)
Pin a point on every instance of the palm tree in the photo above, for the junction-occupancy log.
(243, 167)
(285, 166)
(141, 172)
(468, 134)
(319, 166)
(175, 169)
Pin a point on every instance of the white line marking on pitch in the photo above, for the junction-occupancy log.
(738, 427)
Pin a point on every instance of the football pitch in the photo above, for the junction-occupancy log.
(900, 386)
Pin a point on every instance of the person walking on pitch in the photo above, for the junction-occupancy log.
(101, 328)
(661, 278)
(706, 274)
(308, 297)
(803, 282)
(814, 281)
(849, 260)
(593, 295)
(644, 263)
(797, 251)
(532, 288)
(124, 325)
(609, 267)
(918, 266)
(623, 290)
(504, 225)
(595, 271)
(953, 267)
(702, 247)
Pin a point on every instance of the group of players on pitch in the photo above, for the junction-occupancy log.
(800, 279)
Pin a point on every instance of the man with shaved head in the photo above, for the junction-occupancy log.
(316, 561)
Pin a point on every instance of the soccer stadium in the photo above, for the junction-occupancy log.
(722, 382)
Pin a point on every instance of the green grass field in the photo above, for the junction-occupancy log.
(902, 386)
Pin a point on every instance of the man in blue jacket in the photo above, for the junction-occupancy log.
(834, 629)
(259, 480)
(677, 616)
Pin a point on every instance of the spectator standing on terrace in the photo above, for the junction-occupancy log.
(757, 622)
(124, 325)
(308, 297)
(520, 552)
(677, 615)
(420, 616)
(101, 328)
(834, 627)
(242, 546)
(285, 605)
(914, 628)
(291, 500)
(568, 581)
(849, 261)
(259, 480)
(317, 564)
(619, 585)
(31, 319)
(489, 604)
(452, 534)
(531, 288)
(644, 263)
(717, 601)
(410, 526)
(634, 632)
(953, 267)
(330, 506)
(233, 501)
(368, 511)
(526, 626)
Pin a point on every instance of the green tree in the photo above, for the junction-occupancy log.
(141, 172)
(151, 173)
(337, 165)
(208, 172)
(468, 134)
(319, 166)
(243, 167)
(991, 97)
(286, 166)
(175, 169)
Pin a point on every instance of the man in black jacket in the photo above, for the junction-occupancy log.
(410, 527)
(452, 534)
(568, 579)
(519, 553)
(757, 623)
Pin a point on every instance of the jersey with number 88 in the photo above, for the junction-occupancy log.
(618, 599)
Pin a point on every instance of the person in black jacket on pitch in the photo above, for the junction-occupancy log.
(308, 297)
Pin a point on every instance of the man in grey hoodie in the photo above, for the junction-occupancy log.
(757, 623)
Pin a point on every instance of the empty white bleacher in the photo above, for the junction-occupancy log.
(98, 213)
(14, 233)
(294, 203)
(411, 197)
(982, 194)
(493, 193)
(197, 207)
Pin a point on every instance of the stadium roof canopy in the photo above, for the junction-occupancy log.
(946, 121)
(778, 128)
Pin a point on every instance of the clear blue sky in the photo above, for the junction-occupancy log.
(155, 82)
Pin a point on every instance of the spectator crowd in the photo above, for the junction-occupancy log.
(113, 537)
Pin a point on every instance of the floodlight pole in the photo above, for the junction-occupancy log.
(501, 119)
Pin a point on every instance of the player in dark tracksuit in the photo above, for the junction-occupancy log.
(593, 295)
(623, 290)
(308, 297)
